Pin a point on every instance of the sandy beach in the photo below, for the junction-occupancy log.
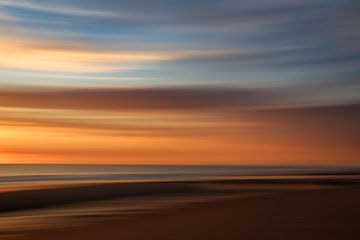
(281, 209)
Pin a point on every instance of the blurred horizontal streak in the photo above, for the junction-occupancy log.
(27, 56)
(311, 135)
(76, 57)
(177, 123)
(58, 9)
(335, 126)
(323, 93)
(36, 142)
(137, 98)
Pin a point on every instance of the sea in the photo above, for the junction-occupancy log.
(30, 175)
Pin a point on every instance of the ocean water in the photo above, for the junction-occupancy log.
(29, 175)
(52, 214)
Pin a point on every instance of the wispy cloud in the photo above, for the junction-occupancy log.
(45, 56)
(241, 81)
(58, 9)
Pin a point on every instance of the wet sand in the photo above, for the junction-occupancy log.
(47, 197)
(282, 211)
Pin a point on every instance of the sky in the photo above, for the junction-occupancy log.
(239, 82)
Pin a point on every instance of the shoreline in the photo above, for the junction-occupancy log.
(230, 209)
(47, 196)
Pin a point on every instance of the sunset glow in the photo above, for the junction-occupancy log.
(103, 82)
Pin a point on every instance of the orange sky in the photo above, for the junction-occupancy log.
(249, 137)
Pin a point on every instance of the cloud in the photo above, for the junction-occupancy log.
(294, 135)
(57, 57)
(58, 9)
(140, 98)
(63, 56)
(171, 41)
(274, 57)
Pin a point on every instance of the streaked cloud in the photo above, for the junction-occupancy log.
(183, 41)
(151, 98)
(50, 56)
(168, 81)
(42, 57)
(58, 9)
(311, 136)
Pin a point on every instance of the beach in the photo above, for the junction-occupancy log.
(310, 208)
(179, 120)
